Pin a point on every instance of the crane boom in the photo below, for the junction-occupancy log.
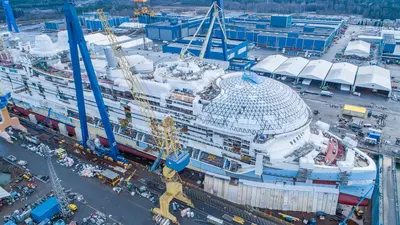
(164, 134)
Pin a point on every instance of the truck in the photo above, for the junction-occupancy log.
(47, 210)
(326, 93)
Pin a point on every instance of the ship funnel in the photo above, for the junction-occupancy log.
(111, 60)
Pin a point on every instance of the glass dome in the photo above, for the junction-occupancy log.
(252, 104)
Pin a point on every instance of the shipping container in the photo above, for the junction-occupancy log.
(241, 35)
(272, 41)
(46, 210)
(282, 42)
(291, 43)
(261, 40)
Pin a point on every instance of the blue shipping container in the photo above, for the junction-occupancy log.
(10, 223)
(46, 210)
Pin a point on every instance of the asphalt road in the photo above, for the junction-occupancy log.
(123, 208)
(389, 198)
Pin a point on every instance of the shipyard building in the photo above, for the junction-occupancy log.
(314, 35)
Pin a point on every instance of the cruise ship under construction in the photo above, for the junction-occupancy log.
(251, 136)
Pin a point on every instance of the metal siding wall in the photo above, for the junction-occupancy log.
(319, 45)
(192, 30)
(241, 35)
(282, 42)
(185, 31)
(232, 34)
(217, 33)
(153, 33)
(262, 40)
(166, 35)
(291, 42)
(272, 41)
(308, 44)
(299, 43)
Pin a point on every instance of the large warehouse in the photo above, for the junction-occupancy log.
(373, 78)
(268, 65)
(358, 48)
(280, 31)
(292, 67)
(316, 70)
(341, 75)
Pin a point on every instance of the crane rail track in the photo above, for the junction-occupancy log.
(250, 214)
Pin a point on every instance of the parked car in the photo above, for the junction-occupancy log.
(22, 163)
(12, 158)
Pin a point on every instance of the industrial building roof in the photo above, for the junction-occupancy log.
(316, 70)
(101, 39)
(269, 64)
(373, 77)
(292, 67)
(250, 104)
(132, 25)
(366, 37)
(342, 73)
(358, 48)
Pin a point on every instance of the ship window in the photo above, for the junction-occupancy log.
(291, 143)
(297, 137)
(294, 140)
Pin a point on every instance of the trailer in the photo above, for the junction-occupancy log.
(354, 111)
(46, 210)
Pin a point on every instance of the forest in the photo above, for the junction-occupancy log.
(374, 9)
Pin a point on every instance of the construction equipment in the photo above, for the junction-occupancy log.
(11, 23)
(76, 39)
(164, 134)
(142, 8)
(344, 222)
(59, 194)
(215, 13)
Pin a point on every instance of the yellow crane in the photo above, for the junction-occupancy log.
(163, 133)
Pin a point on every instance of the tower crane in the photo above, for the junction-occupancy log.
(57, 188)
(163, 131)
(215, 13)
(76, 39)
(11, 23)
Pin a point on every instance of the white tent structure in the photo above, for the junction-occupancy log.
(292, 67)
(342, 73)
(269, 64)
(373, 77)
(316, 70)
(358, 48)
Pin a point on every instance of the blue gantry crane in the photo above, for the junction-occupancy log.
(215, 14)
(77, 39)
(11, 23)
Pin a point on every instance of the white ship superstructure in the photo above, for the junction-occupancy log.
(250, 135)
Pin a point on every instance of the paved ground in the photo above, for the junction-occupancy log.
(389, 198)
(123, 208)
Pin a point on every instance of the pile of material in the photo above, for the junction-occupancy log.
(66, 161)
(87, 170)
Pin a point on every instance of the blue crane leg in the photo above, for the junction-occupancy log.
(78, 36)
(77, 75)
(221, 15)
(11, 23)
(220, 3)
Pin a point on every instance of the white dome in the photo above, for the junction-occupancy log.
(43, 46)
(251, 104)
(62, 40)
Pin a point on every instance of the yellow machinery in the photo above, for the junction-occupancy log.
(110, 177)
(164, 134)
(142, 8)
